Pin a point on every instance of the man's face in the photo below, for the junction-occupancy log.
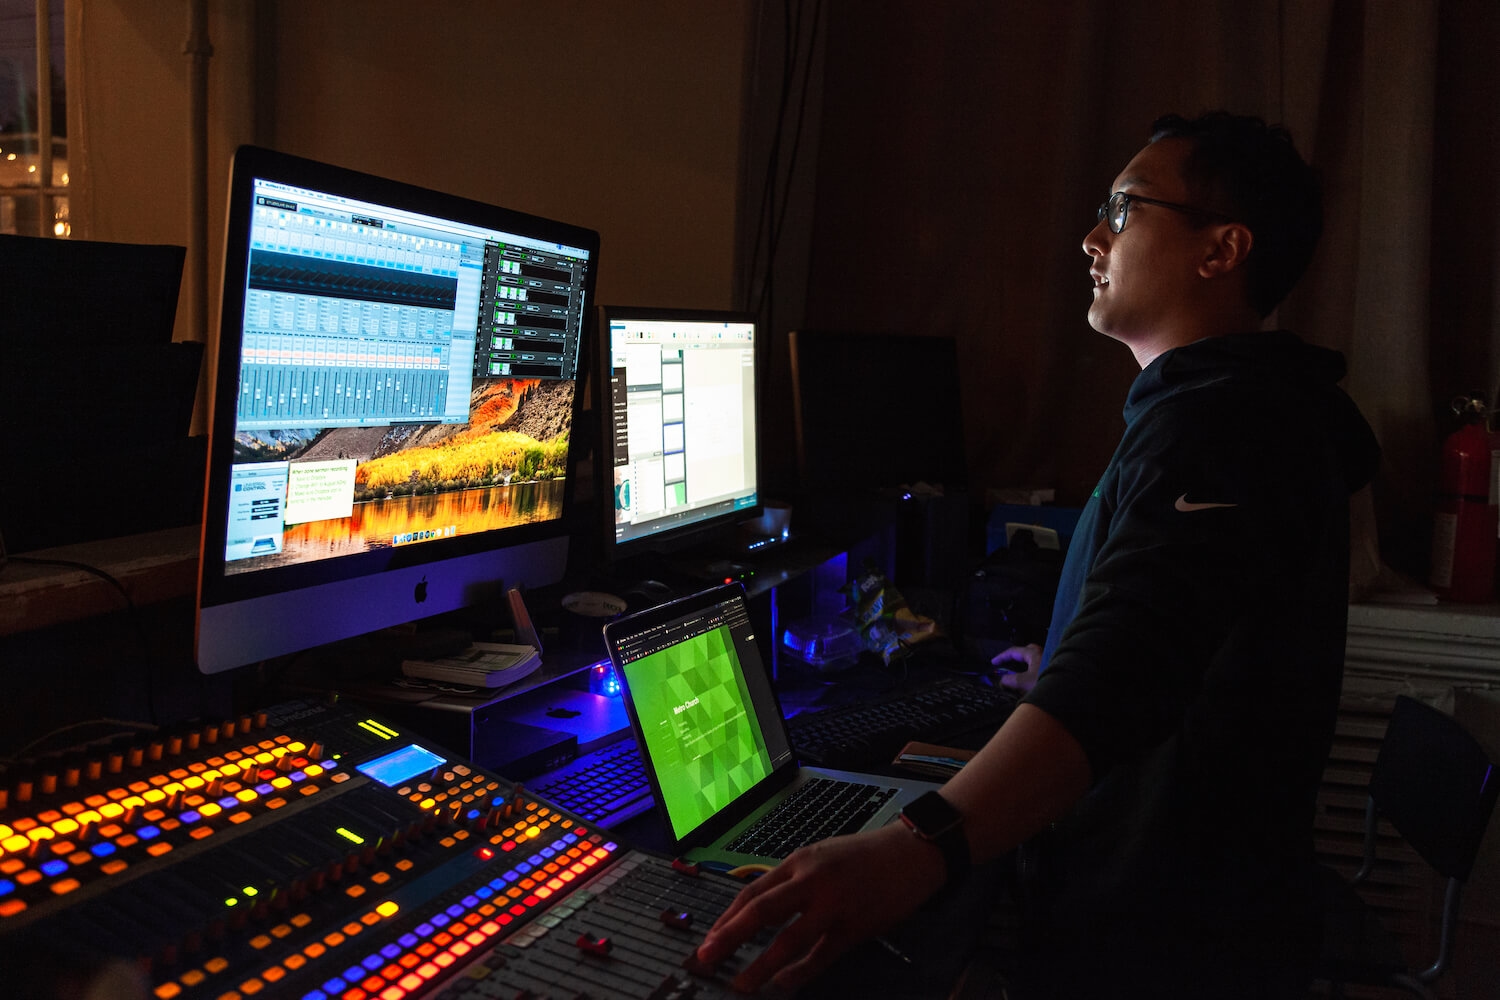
(1145, 276)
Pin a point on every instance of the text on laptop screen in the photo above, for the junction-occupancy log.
(700, 712)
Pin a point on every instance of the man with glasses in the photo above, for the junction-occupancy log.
(1159, 778)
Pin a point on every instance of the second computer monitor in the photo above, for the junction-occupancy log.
(681, 417)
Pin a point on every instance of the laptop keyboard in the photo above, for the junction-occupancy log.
(605, 786)
(818, 809)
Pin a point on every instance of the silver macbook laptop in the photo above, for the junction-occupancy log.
(716, 747)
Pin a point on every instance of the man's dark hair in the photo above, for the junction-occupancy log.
(1250, 171)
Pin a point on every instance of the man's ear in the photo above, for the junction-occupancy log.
(1230, 249)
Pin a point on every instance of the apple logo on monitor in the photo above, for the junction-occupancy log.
(419, 594)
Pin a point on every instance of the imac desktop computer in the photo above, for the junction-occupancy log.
(679, 400)
(392, 406)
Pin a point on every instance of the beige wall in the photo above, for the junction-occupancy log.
(625, 118)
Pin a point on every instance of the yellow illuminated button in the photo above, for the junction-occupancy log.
(388, 908)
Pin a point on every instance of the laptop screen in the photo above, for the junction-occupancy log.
(710, 727)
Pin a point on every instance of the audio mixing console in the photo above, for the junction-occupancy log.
(314, 851)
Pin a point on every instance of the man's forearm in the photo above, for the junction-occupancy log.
(1026, 776)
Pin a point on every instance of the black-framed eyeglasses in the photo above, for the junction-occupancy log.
(1117, 209)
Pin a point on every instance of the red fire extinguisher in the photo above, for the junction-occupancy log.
(1465, 522)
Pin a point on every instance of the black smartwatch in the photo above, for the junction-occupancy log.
(933, 818)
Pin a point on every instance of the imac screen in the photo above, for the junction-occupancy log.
(679, 407)
(393, 404)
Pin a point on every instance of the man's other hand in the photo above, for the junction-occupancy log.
(1022, 663)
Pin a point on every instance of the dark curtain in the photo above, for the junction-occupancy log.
(963, 149)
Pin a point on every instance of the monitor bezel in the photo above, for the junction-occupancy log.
(674, 539)
(218, 593)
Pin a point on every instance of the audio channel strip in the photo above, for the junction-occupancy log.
(316, 852)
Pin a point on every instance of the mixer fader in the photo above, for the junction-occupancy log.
(317, 852)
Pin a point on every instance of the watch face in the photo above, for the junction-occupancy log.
(930, 814)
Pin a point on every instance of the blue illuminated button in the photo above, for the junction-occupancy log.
(6, 887)
(391, 951)
(103, 850)
(147, 832)
(54, 868)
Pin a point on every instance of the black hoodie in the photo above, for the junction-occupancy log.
(1196, 653)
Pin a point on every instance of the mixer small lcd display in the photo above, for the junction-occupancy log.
(402, 765)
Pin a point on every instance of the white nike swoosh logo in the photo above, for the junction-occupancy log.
(1186, 506)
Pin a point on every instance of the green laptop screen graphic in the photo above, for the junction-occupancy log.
(699, 726)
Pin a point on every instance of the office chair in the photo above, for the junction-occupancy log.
(1435, 785)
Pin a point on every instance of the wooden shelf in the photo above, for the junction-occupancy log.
(153, 567)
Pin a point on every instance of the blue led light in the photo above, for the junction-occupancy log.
(469, 903)
(6, 887)
(390, 951)
(472, 814)
(191, 816)
(228, 802)
(455, 910)
(335, 985)
(373, 962)
(354, 973)
(263, 789)
(484, 892)
(442, 919)
(424, 930)
(298, 776)
(407, 941)
(511, 876)
(147, 832)
(103, 850)
(315, 995)
(54, 868)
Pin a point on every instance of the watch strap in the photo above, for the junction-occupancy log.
(948, 836)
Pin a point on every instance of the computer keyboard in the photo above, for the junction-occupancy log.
(940, 710)
(606, 786)
(820, 808)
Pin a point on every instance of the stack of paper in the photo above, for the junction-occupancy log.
(484, 664)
